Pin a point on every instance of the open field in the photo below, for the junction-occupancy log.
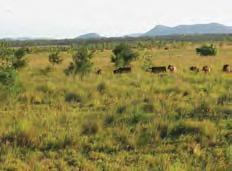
(136, 121)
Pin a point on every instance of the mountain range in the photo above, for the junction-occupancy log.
(212, 28)
(161, 30)
(89, 36)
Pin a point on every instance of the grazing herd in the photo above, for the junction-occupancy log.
(226, 68)
(170, 68)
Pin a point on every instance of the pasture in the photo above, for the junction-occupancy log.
(132, 121)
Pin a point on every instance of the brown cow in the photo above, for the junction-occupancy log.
(194, 69)
(157, 70)
(122, 70)
(226, 68)
(206, 69)
(172, 68)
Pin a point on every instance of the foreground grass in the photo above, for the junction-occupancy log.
(136, 121)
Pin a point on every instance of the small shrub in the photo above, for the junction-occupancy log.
(89, 128)
(54, 58)
(21, 135)
(45, 71)
(101, 87)
(109, 119)
(147, 63)
(52, 143)
(121, 109)
(148, 108)
(72, 98)
(204, 131)
(224, 99)
(162, 128)
(7, 77)
(183, 129)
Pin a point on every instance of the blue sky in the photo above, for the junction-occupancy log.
(70, 18)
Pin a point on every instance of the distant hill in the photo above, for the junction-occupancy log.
(212, 28)
(89, 36)
(134, 35)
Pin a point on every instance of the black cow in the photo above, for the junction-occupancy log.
(194, 69)
(122, 70)
(98, 72)
(158, 69)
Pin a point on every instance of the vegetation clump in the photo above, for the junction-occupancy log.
(81, 63)
(207, 50)
(123, 55)
(55, 58)
(72, 98)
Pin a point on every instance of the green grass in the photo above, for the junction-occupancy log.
(137, 121)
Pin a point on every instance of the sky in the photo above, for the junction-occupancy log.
(70, 18)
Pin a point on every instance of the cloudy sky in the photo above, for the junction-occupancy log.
(70, 18)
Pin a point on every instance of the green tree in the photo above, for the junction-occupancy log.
(123, 55)
(19, 61)
(7, 71)
(55, 58)
(81, 63)
(207, 50)
(5, 56)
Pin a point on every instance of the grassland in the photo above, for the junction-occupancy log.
(136, 121)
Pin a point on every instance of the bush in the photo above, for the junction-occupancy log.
(89, 128)
(109, 119)
(45, 71)
(54, 58)
(123, 55)
(224, 99)
(146, 137)
(148, 108)
(7, 77)
(121, 109)
(72, 98)
(81, 63)
(18, 59)
(205, 130)
(207, 50)
(101, 87)
(22, 135)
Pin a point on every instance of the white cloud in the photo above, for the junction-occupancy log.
(69, 18)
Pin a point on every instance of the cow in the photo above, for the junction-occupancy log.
(206, 69)
(122, 70)
(226, 68)
(158, 69)
(194, 69)
(172, 68)
(98, 72)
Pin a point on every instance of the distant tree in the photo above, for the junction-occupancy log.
(207, 50)
(81, 64)
(123, 55)
(6, 55)
(7, 72)
(18, 60)
(55, 58)
(147, 62)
